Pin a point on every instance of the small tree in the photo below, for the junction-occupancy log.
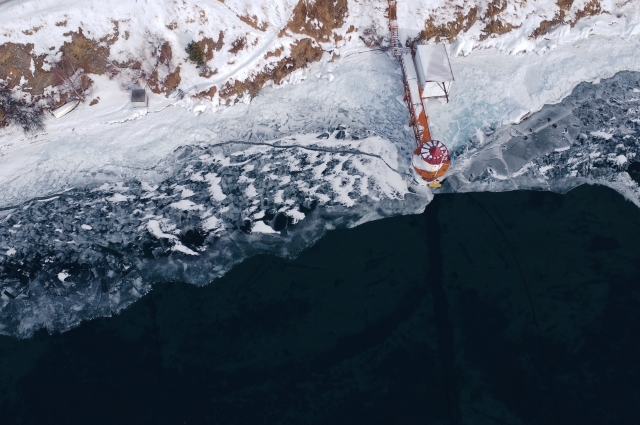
(195, 53)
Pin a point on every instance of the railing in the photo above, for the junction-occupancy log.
(421, 134)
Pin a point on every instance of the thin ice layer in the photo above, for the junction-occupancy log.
(592, 136)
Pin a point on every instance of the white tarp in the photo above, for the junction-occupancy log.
(409, 66)
(432, 63)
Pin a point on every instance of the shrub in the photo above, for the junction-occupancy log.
(18, 112)
(195, 53)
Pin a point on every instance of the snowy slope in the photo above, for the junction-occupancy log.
(515, 26)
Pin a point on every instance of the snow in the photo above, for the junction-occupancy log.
(181, 248)
(335, 146)
(620, 160)
(602, 134)
(148, 22)
(620, 19)
(296, 215)
(492, 89)
(186, 205)
(154, 228)
(251, 191)
(117, 197)
(198, 109)
(211, 223)
(543, 170)
(86, 227)
(262, 227)
(214, 187)
(63, 275)
(577, 141)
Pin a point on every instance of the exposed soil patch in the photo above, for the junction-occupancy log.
(590, 9)
(461, 22)
(496, 7)
(16, 65)
(238, 45)
(166, 53)
(302, 53)
(31, 31)
(276, 53)
(207, 94)
(496, 27)
(565, 4)
(172, 81)
(547, 25)
(318, 18)
(252, 21)
(94, 101)
(86, 53)
(165, 85)
(209, 46)
(20, 67)
(207, 72)
(109, 39)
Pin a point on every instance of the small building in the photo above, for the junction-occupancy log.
(434, 70)
(139, 98)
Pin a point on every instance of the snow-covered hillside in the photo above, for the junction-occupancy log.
(515, 26)
(45, 44)
(246, 44)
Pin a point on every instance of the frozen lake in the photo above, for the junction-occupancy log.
(94, 214)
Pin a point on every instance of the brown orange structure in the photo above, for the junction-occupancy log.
(413, 96)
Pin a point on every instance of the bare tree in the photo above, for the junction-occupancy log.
(71, 80)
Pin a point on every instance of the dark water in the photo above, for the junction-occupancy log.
(492, 308)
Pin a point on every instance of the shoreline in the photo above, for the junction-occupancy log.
(351, 321)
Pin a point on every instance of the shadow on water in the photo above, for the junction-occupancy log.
(494, 308)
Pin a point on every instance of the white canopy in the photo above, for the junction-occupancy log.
(433, 61)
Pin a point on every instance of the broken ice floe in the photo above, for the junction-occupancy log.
(91, 252)
(592, 136)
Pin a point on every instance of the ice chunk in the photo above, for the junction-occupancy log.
(154, 228)
(262, 227)
(186, 205)
(118, 197)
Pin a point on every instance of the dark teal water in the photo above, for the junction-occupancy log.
(491, 308)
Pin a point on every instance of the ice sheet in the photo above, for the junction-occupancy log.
(590, 137)
(197, 194)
